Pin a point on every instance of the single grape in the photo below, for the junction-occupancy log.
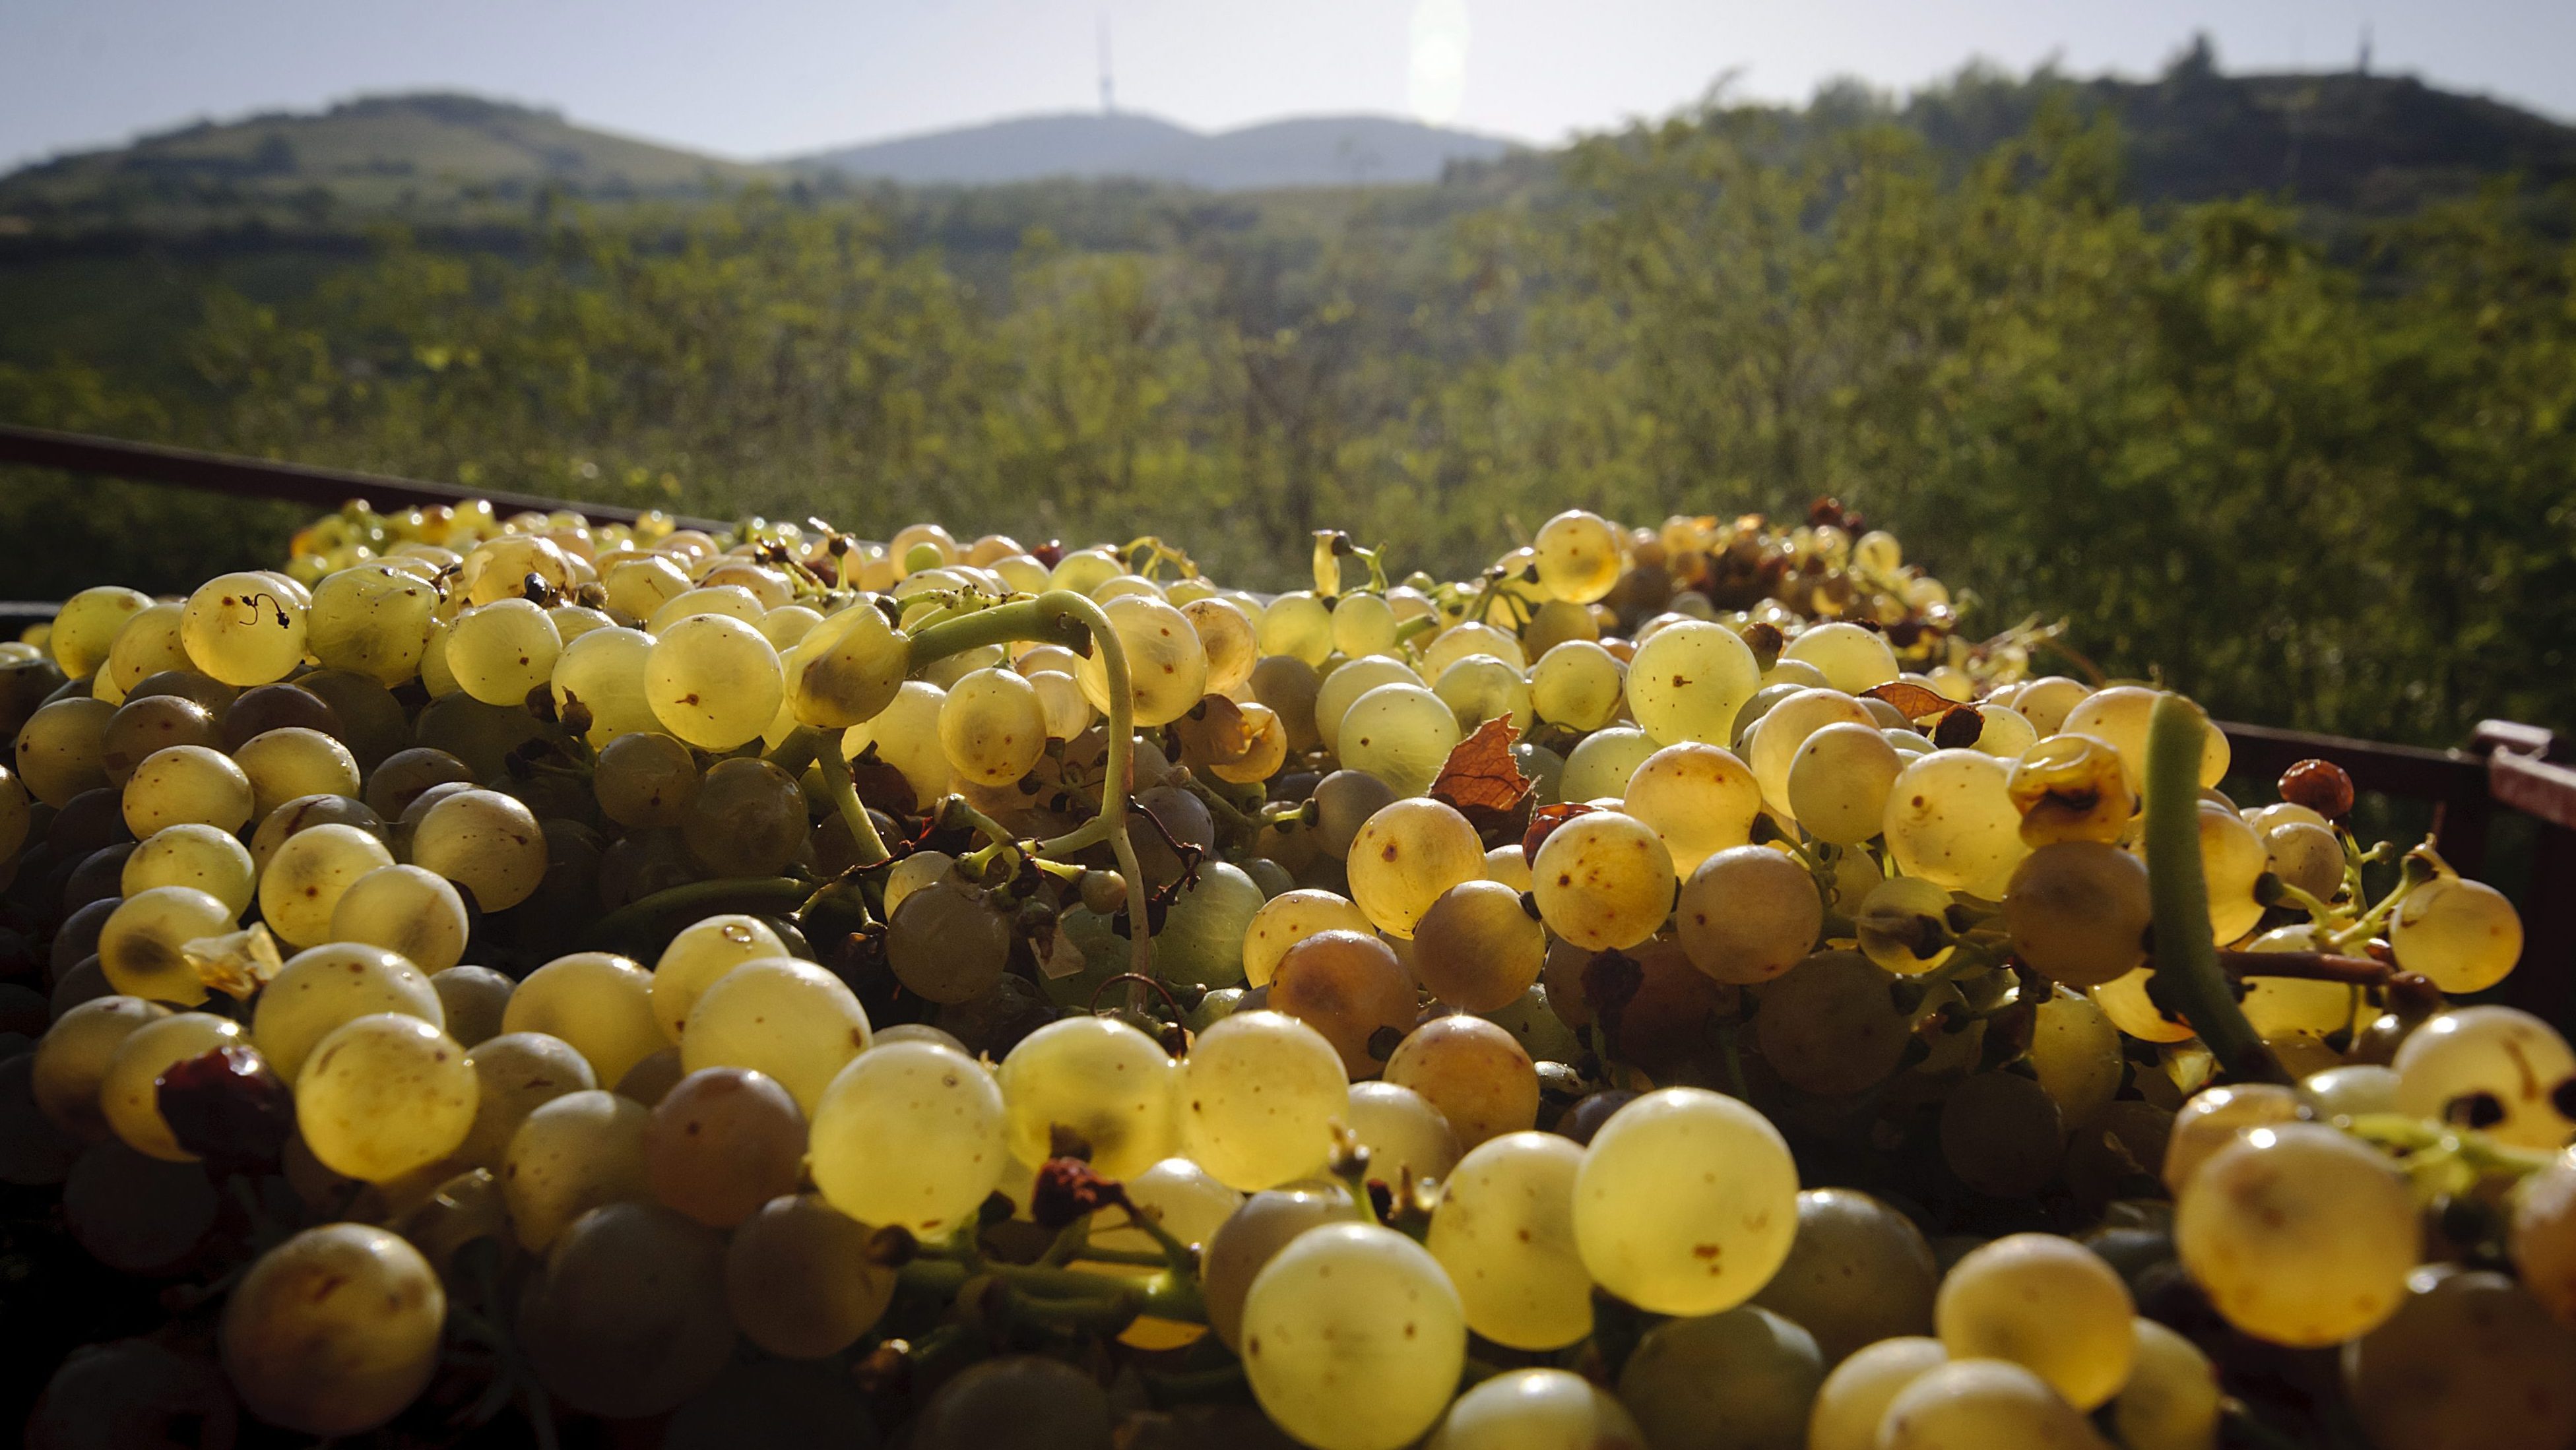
(1400, 733)
(1349, 987)
(573, 1153)
(1741, 1378)
(1858, 1272)
(301, 886)
(722, 1142)
(243, 629)
(2172, 1400)
(2299, 1234)
(948, 942)
(747, 818)
(1830, 1026)
(1167, 667)
(1687, 1202)
(1578, 556)
(2047, 1304)
(1577, 684)
(1982, 1404)
(291, 762)
(2076, 1054)
(787, 1019)
(1603, 881)
(599, 1002)
(1537, 1409)
(499, 652)
(1855, 1397)
(1407, 855)
(515, 1073)
(1101, 1080)
(141, 948)
(2497, 1069)
(800, 1280)
(1353, 1338)
(627, 1317)
(407, 910)
(910, 1133)
(2463, 934)
(486, 843)
(1689, 681)
(1259, 1094)
(1951, 821)
(197, 856)
(1504, 1230)
(1403, 1133)
(385, 1095)
(2077, 911)
(334, 1331)
(1748, 914)
(2218, 1116)
(73, 1057)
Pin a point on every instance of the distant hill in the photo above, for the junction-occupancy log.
(382, 153)
(1310, 151)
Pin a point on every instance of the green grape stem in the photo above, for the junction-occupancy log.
(2186, 960)
(1061, 616)
(845, 798)
(639, 917)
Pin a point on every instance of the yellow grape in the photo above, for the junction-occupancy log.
(383, 1096)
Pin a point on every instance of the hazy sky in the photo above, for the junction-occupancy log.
(759, 78)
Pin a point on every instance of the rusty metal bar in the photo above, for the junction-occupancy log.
(323, 488)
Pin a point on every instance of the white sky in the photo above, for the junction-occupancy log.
(761, 78)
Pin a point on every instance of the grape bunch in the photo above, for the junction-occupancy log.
(1670, 989)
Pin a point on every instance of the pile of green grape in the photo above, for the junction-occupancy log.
(500, 975)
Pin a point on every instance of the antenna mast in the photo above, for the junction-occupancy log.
(1108, 87)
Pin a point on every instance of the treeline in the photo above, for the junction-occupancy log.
(2336, 491)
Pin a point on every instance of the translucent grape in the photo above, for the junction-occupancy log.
(2218, 1116)
(1349, 987)
(722, 1142)
(302, 884)
(910, 1133)
(1853, 659)
(1477, 947)
(1479, 688)
(1748, 914)
(2076, 1054)
(800, 1281)
(373, 620)
(2125, 1001)
(1504, 1230)
(1405, 1136)
(515, 1074)
(243, 629)
(1772, 748)
(1363, 624)
(186, 785)
(487, 843)
(2298, 1234)
(1951, 821)
(1839, 781)
(1406, 856)
(1687, 1202)
(1400, 733)
(503, 650)
(85, 628)
(129, 1090)
(1353, 1338)
(1298, 625)
(2118, 717)
(1226, 635)
(906, 736)
(1688, 682)
(2047, 1304)
(59, 749)
(72, 1060)
(1602, 766)
(1474, 1073)
(604, 671)
(703, 952)
(2072, 788)
(383, 1096)
(2172, 1400)
(1244, 1244)
(1536, 1409)
(1167, 668)
(788, 1019)
(1343, 687)
(714, 681)
(2463, 934)
(1855, 1397)
(573, 1153)
(992, 726)
(334, 1331)
(1101, 1080)
(599, 1002)
(141, 949)
(2496, 1069)
(1259, 1094)
(1577, 684)
(1858, 1272)
(321, 989)
(645, 780)
(1603, 881)
(404, 909)
(1982, 1404)
(1202, 940)
(201, 857)
(142, 725)
(2077, 911)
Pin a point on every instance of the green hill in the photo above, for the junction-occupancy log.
(422, 154)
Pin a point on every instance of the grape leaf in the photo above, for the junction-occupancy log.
(1482, 782)
(1911, 700)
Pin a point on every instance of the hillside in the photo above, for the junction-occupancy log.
(414, 153)
(1308, 151)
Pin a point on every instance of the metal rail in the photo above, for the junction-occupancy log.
(324, 488)
(2520, 768)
